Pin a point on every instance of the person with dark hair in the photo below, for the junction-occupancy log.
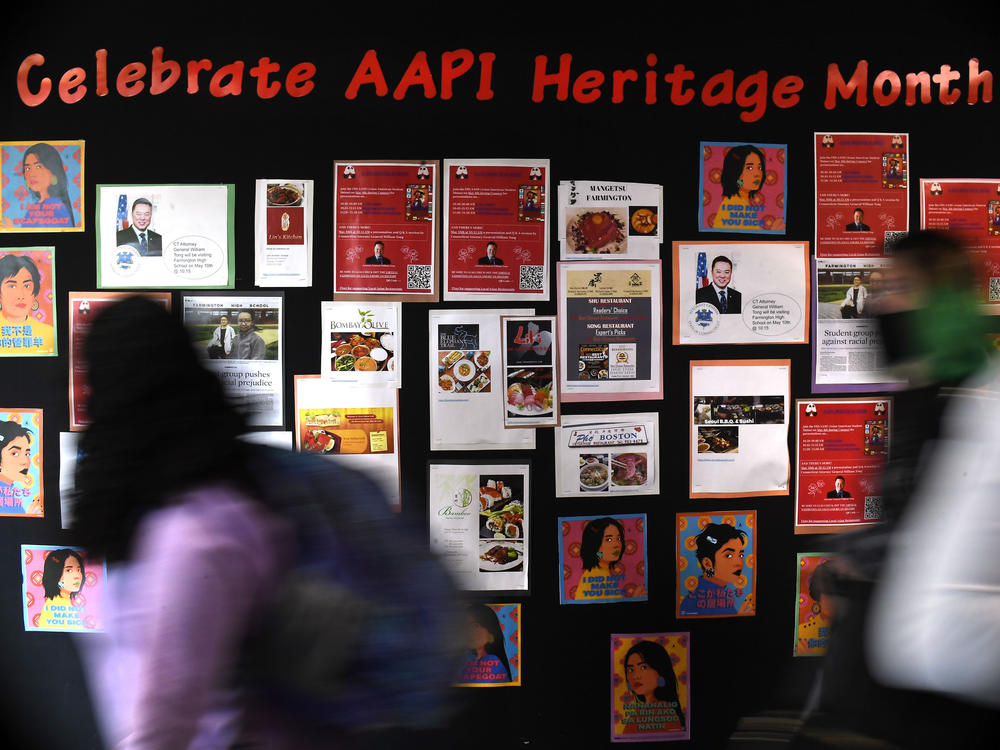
(62, 579)
(487, 662)
(221, 344)
(719, 547)
(650, 676)
(45, 178)
(602, 545)
(20, 283)
(15, 463)
(490, 259)
(377, 258)
(858, 225)
(139, 235)
(838, 488)
(249, 344)
(814, 632)
(742, 178)
(726, 300)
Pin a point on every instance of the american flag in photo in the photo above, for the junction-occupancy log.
(121, 222)
(701, 272)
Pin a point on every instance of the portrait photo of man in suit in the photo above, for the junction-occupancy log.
(139, 235)
(726, 300)
(377, 258)
(858, 225)
(838, 483)
(490, 259)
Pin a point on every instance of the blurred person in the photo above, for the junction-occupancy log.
(232, 619)
(933, 335)
(487, 661)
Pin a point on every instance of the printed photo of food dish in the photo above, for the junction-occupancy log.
(628, 469)
(592, 231)
(529, 392)
(642, 220)
(287, 194)
(594, 472)
(352, 351)
(718, 439)
(496, 556)
(464, 371)
(501, 507)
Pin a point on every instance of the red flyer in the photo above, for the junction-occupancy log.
(970, 209)
(862, 199)
(496, 234)
(385, 230)
(83, 308)
(842, 446)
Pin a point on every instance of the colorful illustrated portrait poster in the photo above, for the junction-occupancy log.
(165, 236)
(847, 341)
(529, 370)
(62, 589)
(650, 687)
(602, 559)
(741, 292)
(603, 455)
(617, 219)
(495, 232)
(240, 336)
(862, 201)
(283, 233)
(479, 523)
(27, 303)
(359, 424)
(739, 427)
(21, 491)
(814, 608)
(842, 445)
(362, 343)
(467, 383)
(493, 655)
(385, 223)
(716, 563)
(41, 186)
(610, 323)
(83, 308)
(969, 209)
(742, 187)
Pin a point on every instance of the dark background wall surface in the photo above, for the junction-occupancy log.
(740, 665)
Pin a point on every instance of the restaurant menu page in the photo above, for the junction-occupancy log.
(739, 427)
(614, 219)
(467, 382)
(385, 230)
(611, 321)
(283, 232)
(607, 455)
(862, 200)
(495, 229)
(970, 209)
(479, 523)
(361, 343)
(842, 447)
(355, 424)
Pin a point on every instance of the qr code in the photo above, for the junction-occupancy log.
(532, 277)
(891, 238)
(873, 507)
(418, 277)
(994, 288)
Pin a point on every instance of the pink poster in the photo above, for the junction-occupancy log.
(603, 559)
(862, 200)
(495, 228)
(61, 589)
